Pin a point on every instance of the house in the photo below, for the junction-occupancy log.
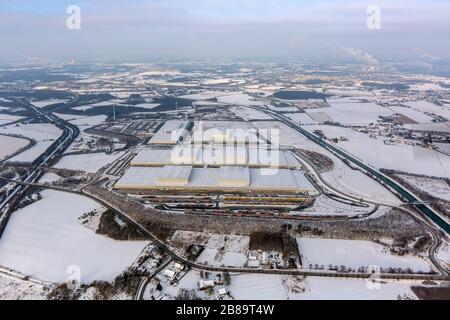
(205, 284)
(169, 274)
(179, 266)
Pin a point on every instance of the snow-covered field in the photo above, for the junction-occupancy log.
(413, 114)
(357, 184)
(99, 104)
(49, 177)
(443, 253)
(239, 99)
(9, 145)
(355, 254)
(440, 127)
(276, 287)
(147, 105)
(443, 147)
(43, 133)
(90, 162)
(329, 207)
(257, 287)
(346, 111)
(45, 238)
(265, 287)
(350, 289)
(87, 122)
(402, 157)
(7, 118)
(250, 114)
(220, 249)
(301, 118)
(425, 106)
(17, 289)
(45, 103)
(215, 257)
(437, 188)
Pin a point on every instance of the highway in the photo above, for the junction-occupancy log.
(70, 133)
(406, 194)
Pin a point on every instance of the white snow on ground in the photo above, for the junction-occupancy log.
(216, 81)
(275, 287)
(439, 126)
(43, 133)
(443, 147)
(220, 249)
(443, 254)
(401, 157)
(147, 105)
(352, 289)
(9, 145)
(87, 122)
(425, 106)
(257, 287)
(49, 177)
(91, 162)
(349, 112)
(69, 117)
(214, 257)
(413, 114)
(324, 206)
(45, 238)
(7, 118)
(342, 177)
(240, 99)
(205, 95)
(44, 103)
(250, 114)
(357, 184)
(301, 118)
(98, 104)
(355, 254)
(437, 188)
(16, 289)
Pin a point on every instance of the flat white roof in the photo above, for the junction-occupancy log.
(209, 178)
(214, 155)
(234, 176)
(170, 133)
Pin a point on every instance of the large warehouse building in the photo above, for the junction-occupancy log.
(212, 164)
(171, 133)
(225, 178)
(216, 156)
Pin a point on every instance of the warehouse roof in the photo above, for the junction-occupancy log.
(210, 178)
(215, 155)
(170, 133)
(234, 176)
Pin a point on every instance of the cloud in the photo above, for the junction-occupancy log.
(363, 56)
(217, 28)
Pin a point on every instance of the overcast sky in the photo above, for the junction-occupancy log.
(139, 29)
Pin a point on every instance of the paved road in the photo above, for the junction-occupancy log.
(165, 248)
(437, 241)
(143, 285)
(70, 132)
(406, 194)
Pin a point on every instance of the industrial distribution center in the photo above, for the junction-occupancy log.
(211, 166)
